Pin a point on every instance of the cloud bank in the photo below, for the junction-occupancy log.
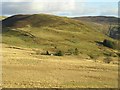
(69, 8)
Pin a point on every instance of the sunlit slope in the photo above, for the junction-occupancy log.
(23, 68)
(49, 32)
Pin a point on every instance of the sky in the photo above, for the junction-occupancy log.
(69, 8)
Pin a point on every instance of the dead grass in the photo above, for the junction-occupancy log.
(23, 68)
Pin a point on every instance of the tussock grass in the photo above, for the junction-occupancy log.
(23, 68)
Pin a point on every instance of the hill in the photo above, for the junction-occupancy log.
(47, 51)
(99, 19)
(108, 24)
(51, 33)
(37, 20)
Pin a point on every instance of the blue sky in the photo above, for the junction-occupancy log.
(70, 8)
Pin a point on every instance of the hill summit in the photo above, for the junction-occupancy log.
(37, 20)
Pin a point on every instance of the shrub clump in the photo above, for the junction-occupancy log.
(59, 53)
(73, 51)
(47, 53)
(109, 44)
(107, 60)
(76, 52)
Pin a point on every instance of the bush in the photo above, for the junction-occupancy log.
(47, 53)
(70, 51)
(109, 44)
(59, 53)
(76, 52)
(107, 60)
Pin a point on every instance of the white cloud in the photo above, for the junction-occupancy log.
(109, 12)
(59, 0)
(15, 0)
(53, 6)
(38, 7)
(63, 7)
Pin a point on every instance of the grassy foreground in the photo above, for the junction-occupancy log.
(22, 67)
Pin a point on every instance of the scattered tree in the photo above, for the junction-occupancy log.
(109, 44)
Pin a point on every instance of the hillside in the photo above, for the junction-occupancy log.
(47, 51)
(99, 19)
(108, 24)
(22, 68)
(37, 20)
(49, 32)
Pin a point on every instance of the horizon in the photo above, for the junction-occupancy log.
(63, 16)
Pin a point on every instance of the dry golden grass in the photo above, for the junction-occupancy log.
(23, 68)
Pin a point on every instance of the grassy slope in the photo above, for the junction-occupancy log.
(104, 22)
(22, 67)
(47, 31)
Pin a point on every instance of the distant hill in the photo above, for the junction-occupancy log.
(50, 32)
(99, 19)
(108, 24)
